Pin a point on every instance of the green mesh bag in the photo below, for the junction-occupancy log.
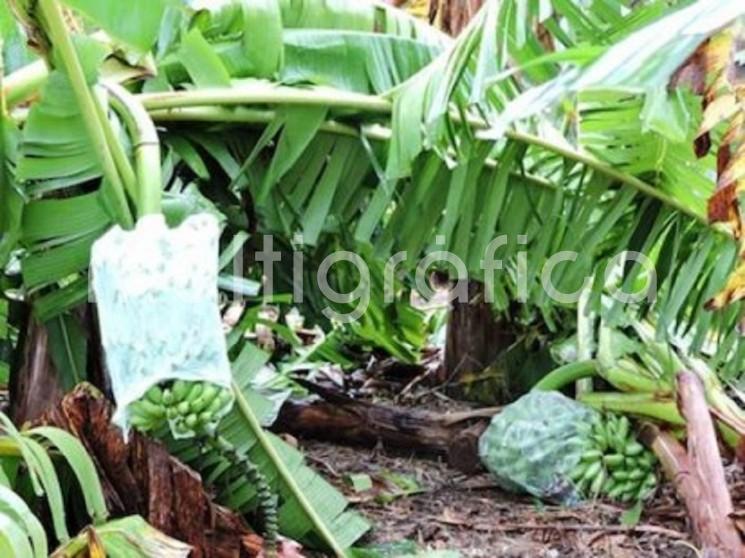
(535, 443)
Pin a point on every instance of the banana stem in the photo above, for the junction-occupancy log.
(629, 381)
(146, 148)
(643, 404)
(566, 374)
(260, 93)
(24, 82)
(57, 30)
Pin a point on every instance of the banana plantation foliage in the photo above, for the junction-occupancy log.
(230, 226)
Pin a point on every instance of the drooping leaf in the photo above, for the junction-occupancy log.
(82, 466)
(14, 508)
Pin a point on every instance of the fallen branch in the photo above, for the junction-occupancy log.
(340, 419)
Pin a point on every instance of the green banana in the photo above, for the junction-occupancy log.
(578, 472)
(208, 395)
(591, 455)
(191, 421)
(620, 475)
(615, 464)
(633, 449)
(195, 391)
(154, 395)
(623, 427)
(593, 469)
(613, 460)
(637, 474)
(180, 389)
(597, 483)
(142, 423)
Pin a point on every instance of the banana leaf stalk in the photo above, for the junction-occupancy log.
(648, 395)
(648, 405)
(89, 109)
(623, 377)
(24, 82)
(146, 148)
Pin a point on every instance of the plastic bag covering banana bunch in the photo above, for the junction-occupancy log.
(156, 291)
(535, 444)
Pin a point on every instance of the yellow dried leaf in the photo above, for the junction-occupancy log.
(733, 291)
(719, 110)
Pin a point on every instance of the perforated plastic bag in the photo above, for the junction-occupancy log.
(156, 290)
(534, 444)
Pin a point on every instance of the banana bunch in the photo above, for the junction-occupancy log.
(615, 464)
(188, 408)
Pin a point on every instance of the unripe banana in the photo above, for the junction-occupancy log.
(633, 449)
(147, 408)
(154, 395)
(620, 475)
(609, 483)
(637, 474)
(205, 418)
(613, 460)
(600, 441)
(141, 423)
(226, 396)
(623, 427)
(191, 421)
(209, 394)
(591, 455)
(592, 470)
(597, 483)
(216, 406)
(616, 492)
(578, 472)
(194, 392)
(180, 390)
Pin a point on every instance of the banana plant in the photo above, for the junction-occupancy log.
(354, 113)
(560, 166)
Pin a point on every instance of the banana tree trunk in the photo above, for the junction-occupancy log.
(454, 15)
(34, 382)
(475, 337)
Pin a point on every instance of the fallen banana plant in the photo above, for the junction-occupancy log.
(644, 371)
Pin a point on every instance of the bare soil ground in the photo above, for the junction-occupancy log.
(471, 515)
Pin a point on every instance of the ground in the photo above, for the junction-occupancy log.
(470, 514)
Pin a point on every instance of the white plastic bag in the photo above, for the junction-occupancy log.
(156, 290)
